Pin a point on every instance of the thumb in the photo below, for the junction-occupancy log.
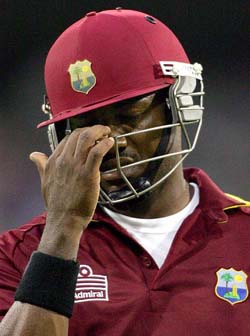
(40, 160)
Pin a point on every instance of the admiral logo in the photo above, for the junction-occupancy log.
(90, 287)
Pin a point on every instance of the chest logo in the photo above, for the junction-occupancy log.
(90, 287)
(82, 77)
(231, 285)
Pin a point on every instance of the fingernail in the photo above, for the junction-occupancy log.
(31, 157)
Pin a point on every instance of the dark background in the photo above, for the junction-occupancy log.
(214, 33)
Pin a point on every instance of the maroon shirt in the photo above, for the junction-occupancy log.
(202, 286)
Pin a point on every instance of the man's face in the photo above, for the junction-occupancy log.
(128, 116)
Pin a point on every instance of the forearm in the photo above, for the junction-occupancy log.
(30, 318)
(70, 181)
(24, 319)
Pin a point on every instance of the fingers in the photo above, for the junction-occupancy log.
(40, 160)
(60, 146)
(70, 146)
(87, 139)
(70, 178)
(85, 145)
(81, 140)
(97, 153)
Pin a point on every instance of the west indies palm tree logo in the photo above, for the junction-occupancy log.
(82, 77)
(231, 285)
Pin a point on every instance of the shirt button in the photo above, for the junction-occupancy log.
(146, 261)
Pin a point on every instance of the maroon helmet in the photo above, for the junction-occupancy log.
(107, 57)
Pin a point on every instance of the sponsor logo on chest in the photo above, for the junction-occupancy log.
(90, 286)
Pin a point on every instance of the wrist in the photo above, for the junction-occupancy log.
(61, 236)
(69, 221)
(49, 282)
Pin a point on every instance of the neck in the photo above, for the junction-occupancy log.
(168, 198)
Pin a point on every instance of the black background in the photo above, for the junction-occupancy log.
(213, 33)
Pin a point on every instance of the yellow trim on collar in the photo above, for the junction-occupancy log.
(243, 203)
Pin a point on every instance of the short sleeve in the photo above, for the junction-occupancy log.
(9, 280)
(16, 247)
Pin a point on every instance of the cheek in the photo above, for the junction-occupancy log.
(147, 143)
(154, 117)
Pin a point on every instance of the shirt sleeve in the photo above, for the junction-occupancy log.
(9, 276)
(16, 247)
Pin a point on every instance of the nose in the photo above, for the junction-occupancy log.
(121, 141)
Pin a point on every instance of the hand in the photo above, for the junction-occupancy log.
(70, 177)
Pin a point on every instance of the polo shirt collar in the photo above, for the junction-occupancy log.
(213, 200)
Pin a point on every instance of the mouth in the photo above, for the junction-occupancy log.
(112, 180)
(111, 164)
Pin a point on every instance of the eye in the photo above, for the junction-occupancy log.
(135, 116)
(79, 122)
(131, 117)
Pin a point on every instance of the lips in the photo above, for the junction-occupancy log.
(112, 164)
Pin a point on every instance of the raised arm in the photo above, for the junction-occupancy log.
(70, 182)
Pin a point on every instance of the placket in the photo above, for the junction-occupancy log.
(192, 235)
(144, 260)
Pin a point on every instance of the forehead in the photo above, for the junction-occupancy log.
(136, 101)
(132, 105)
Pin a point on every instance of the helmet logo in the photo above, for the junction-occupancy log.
(82, 78)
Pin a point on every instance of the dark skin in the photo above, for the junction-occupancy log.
(134, 115)
(70, 182)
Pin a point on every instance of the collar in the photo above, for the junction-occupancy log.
(212, 198)
(213, 201)
(207, 221)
